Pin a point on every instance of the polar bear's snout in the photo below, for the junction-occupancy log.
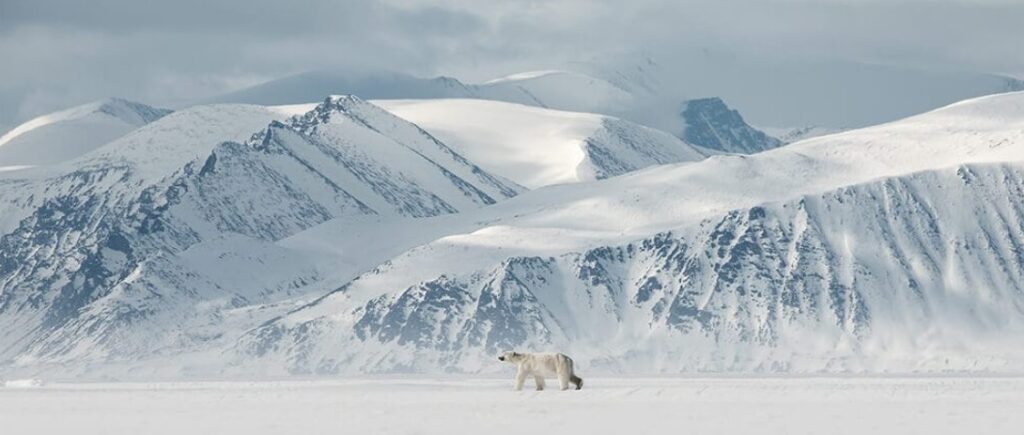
(510, 357)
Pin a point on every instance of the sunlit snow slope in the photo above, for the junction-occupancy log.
(892, 248)
(157, 241)
(349, 240)
(537, 147)
(67, 134)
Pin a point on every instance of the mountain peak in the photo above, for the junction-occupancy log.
(323, 112)
(308, 120)
(712, 124)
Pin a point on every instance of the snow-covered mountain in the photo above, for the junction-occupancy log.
(536, 147)
(348, 240)
(709, 123)
(185, 233)
(796, 134)
(564, 90)
(621, 96)
(892, 248)
(126, 166)
(67, 134)
(64, 245)
(149, 243)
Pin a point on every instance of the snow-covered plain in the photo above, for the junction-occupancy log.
(463, 406)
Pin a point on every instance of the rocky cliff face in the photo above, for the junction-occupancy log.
(852, 279)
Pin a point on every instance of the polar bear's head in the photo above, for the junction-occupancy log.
(511, 357)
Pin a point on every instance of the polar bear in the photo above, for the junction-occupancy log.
(540, 365)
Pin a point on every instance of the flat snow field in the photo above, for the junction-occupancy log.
(488, 406)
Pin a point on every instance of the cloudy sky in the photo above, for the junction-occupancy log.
(57, 53)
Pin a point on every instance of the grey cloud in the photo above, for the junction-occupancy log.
(255, 17)
(62, 52)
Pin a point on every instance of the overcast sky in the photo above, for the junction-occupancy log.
(57, 53)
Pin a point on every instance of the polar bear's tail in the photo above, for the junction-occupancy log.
(576, 380)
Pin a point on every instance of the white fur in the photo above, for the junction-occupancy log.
(541, 365)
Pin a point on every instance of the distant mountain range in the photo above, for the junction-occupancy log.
(554, 89)
(887, 249)
(423, 232)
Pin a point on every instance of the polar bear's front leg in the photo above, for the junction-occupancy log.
(520, 379)
(540, 382)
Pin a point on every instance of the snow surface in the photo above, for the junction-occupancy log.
(67, 134)
(23, 383)
(766, 406)
(533, 147)
(562, 90)
(796, 134)
(51, 118)
(537, 147)
(133, 161)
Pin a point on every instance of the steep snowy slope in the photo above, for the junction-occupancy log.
(155, 242)
(892, 248)
(123, 168)
(67, 134)
(706, 122)
(61, 246)
(330, 243)
(538, 147)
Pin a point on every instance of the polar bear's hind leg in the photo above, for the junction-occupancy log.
(540, 382)
(564, 372)
(576, 380)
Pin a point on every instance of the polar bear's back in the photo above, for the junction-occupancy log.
(547, 363)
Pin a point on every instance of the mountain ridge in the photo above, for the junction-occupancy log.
(67, 134)
(879, 250)
(508, 290)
